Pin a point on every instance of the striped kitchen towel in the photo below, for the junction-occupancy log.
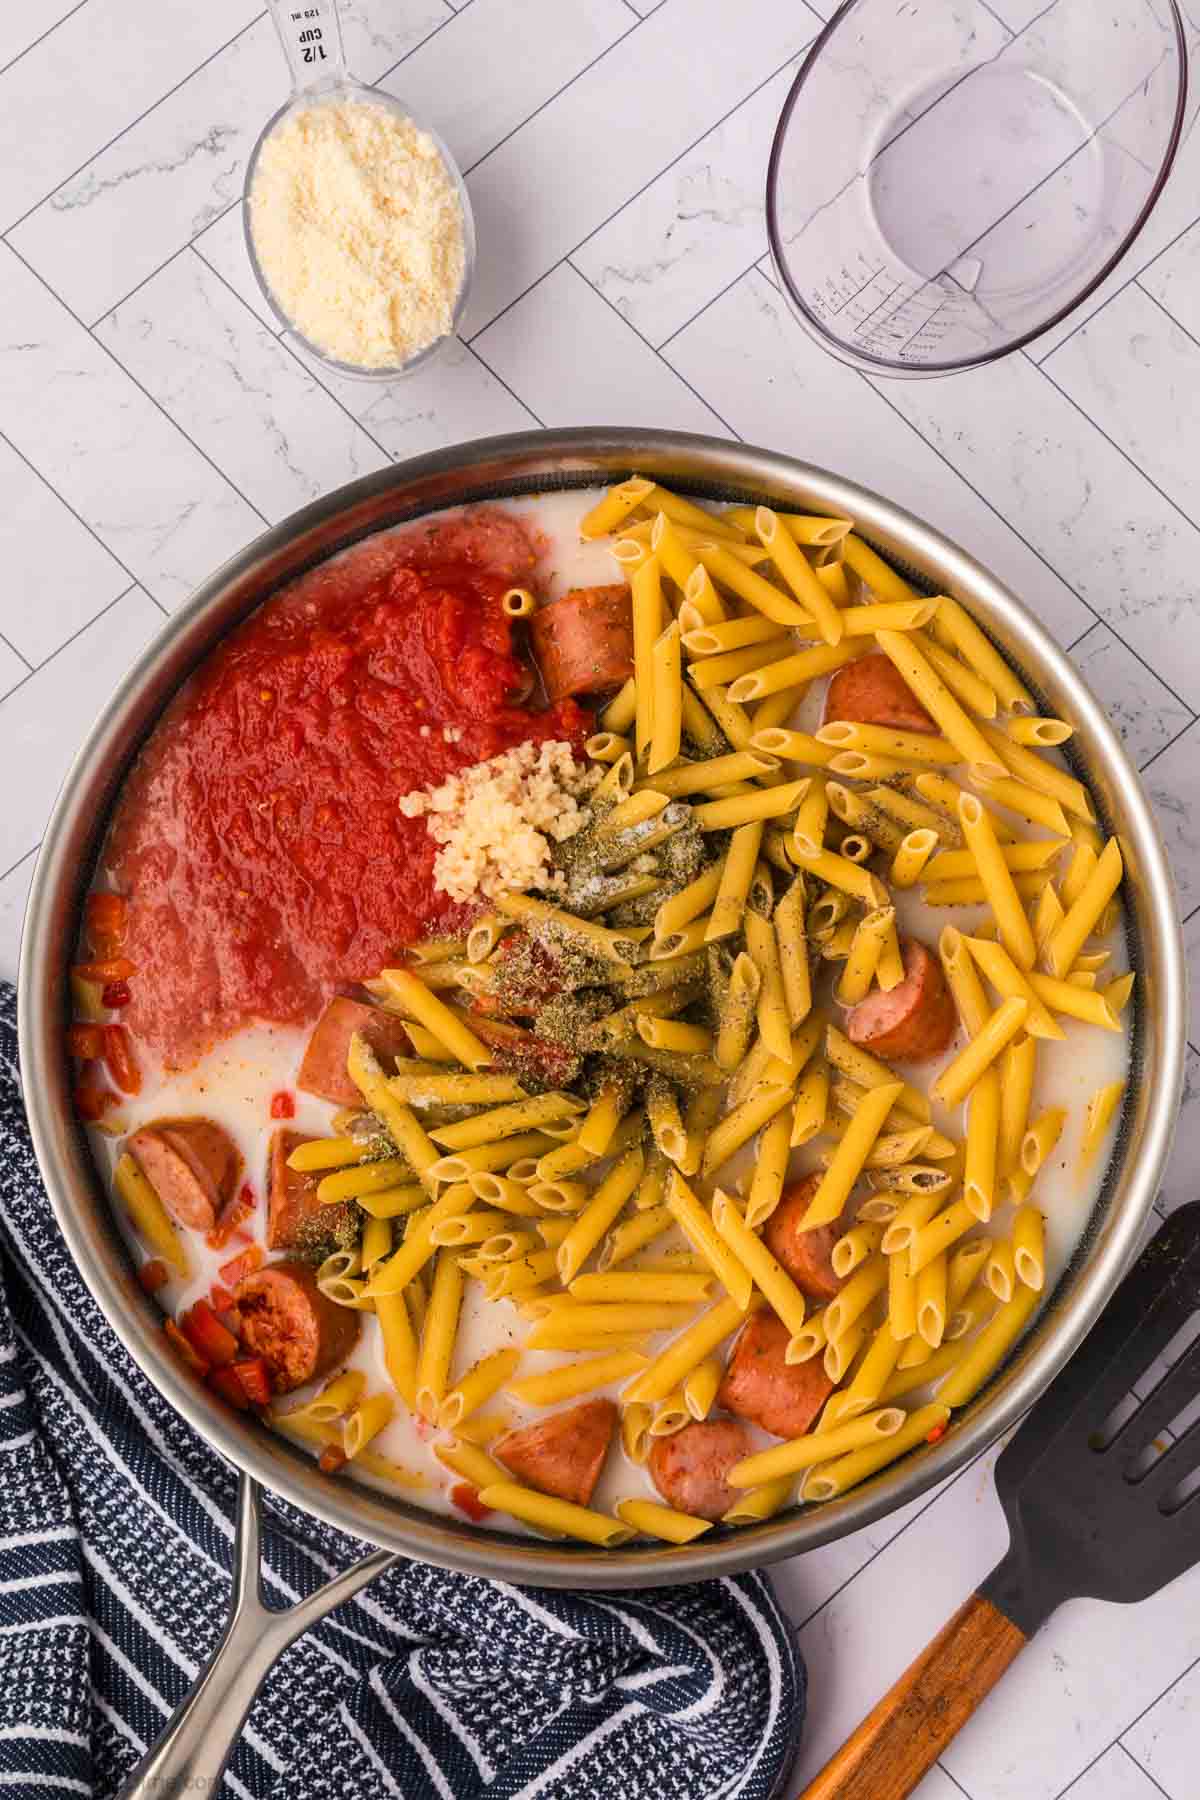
(116, 1532)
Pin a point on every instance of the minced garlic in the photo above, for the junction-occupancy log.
(498, 820)
(358, 230)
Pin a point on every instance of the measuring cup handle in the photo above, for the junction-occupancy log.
(311, 34)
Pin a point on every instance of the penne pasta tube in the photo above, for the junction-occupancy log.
(468, 1460)
(481, 1382)
(815, 1447)
(797, 572)
(793, 671)
(552, 1231)
(933, 1365)
(872, 1372)
(366, 1422)
(964, 683)
(740, 1125)
(792, 949)
(667, 675)
(336, 1398)
(399, 1346)
(685, 1352)
(889, 741)
(812, 1105)
(574, 1379)
(854, 1247)
(506, 1121)
(1083, 916)
(666, 1122)
(1077, 1002)
(855, 1297)
(364, 1178)
(766, 1271)
(984, 1354)
(956, 630)
(850, 1157)
(610, 946)
(562, 1518)
(632, 1235)
(812, 818)
(1029, 1247)
(596, 1133)
(1010, 982)
(791, 746)
(647, 608)
(460, 1165)
(867, 1070)
(1102, 1108)
(670, 1415)
(671, 1034)
(770, 1170)
(889, 615)
(1016, 934)
(960, 1075)
(901, 1301)
(328, 1153)
(911, 857)
(973, 747)
(932, 1239)
(838, 872)
(747, 809)
(859, 971)
(752, 587)
(737, 872)
(1018, 1066)
(616, 506)
(842, 1352)
(418, 1247)
(648, 1519)
(1041, 1138)
(1029, 803)
(808, 1342)
(599, 1213)
(1037, 772)
(714, 639)
(635, 1431)
(149, 1215)
(437, 1338)
(721, 671)
(691, 902)
(376, 1241)
(644, 1284)
(970, 1313)
(931, 1301)
(700, 1386)
(911, 1212)
(983, 1126)
(771, 1008)
(1023, 857)
(831, 1479)
(416, 1001)
(708, 1241)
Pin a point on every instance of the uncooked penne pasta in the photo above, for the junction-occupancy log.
(850, 1157)
(648, 1519)
(1102, 1108)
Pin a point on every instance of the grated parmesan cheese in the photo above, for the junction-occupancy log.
(358, 231)
(497, 820)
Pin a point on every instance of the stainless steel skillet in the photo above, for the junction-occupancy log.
(525, 463)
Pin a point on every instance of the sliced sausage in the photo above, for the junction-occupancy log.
(192, 1165)
(564, 1454)
(323, 1071)
(806, 1255)
(689, 1467)
(912, 1021)
(760, 1386)
(872, 691)
(584, 642)
(296, 1219)
(286, 1319)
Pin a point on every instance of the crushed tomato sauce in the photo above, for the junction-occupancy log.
(258, 838)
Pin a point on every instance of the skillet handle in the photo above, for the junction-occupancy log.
(900, 1741)
(190, 1756)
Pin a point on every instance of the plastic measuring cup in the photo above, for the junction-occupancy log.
(311, 34)
(942, 188)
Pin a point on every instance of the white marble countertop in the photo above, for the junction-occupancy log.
(151, 422)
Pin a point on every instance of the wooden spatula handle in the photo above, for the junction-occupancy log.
(906, 1733)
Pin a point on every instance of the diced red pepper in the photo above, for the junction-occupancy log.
(282, 1105)
(219, 1298)
(206, 1334)
(255, 1378)
(467, 1500)
(154, 1274)
(122, 1064)
(331, 1459)
(116, 994)
(106, 968)
(234, 1215)
(92, 1101)
(238, 1267)
(225, 1382)
(184, 1349)
(105, 920)
(85, 1041)
(931, 1437)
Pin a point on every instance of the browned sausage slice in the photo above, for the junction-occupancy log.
(296, 1219)
(912, 1021)
(192, 1165)
(564, 1454)
(323, 1071)
(286, 1319)
(584, 642)
(872, 691)
(689, 1467)
(760, 1386)
(806, 1255)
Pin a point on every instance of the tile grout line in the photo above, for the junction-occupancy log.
(484, 364)
(144, 114)
(9, 645)
(13, 867)
(1117, 1742)
(65, 645)
(91, 531)
(1171, 741)
(157, 404)
(1126, 1751)
(1166, 311)
(50, 29)
(1075, 642)
(630, 326)
(1115, 295)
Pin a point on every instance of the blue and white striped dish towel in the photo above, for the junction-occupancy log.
(116, 1533)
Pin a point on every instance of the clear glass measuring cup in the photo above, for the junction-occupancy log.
(311, 35)
(942, 188)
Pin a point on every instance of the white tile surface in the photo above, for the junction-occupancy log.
(620, 149)
(668, 98)
(149, 494)
(252, 408)
(85, 82)
(71, 687)
(565, 349)
(775, 386)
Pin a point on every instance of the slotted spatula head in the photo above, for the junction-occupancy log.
(1101, 1501)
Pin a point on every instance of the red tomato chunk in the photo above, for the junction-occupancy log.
(467, 1500)
(282, 1106)
(206, 1334)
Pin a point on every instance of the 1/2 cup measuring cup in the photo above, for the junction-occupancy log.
(311, 35)
(943, 187)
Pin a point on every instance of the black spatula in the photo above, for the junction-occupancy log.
(1098, 1503)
